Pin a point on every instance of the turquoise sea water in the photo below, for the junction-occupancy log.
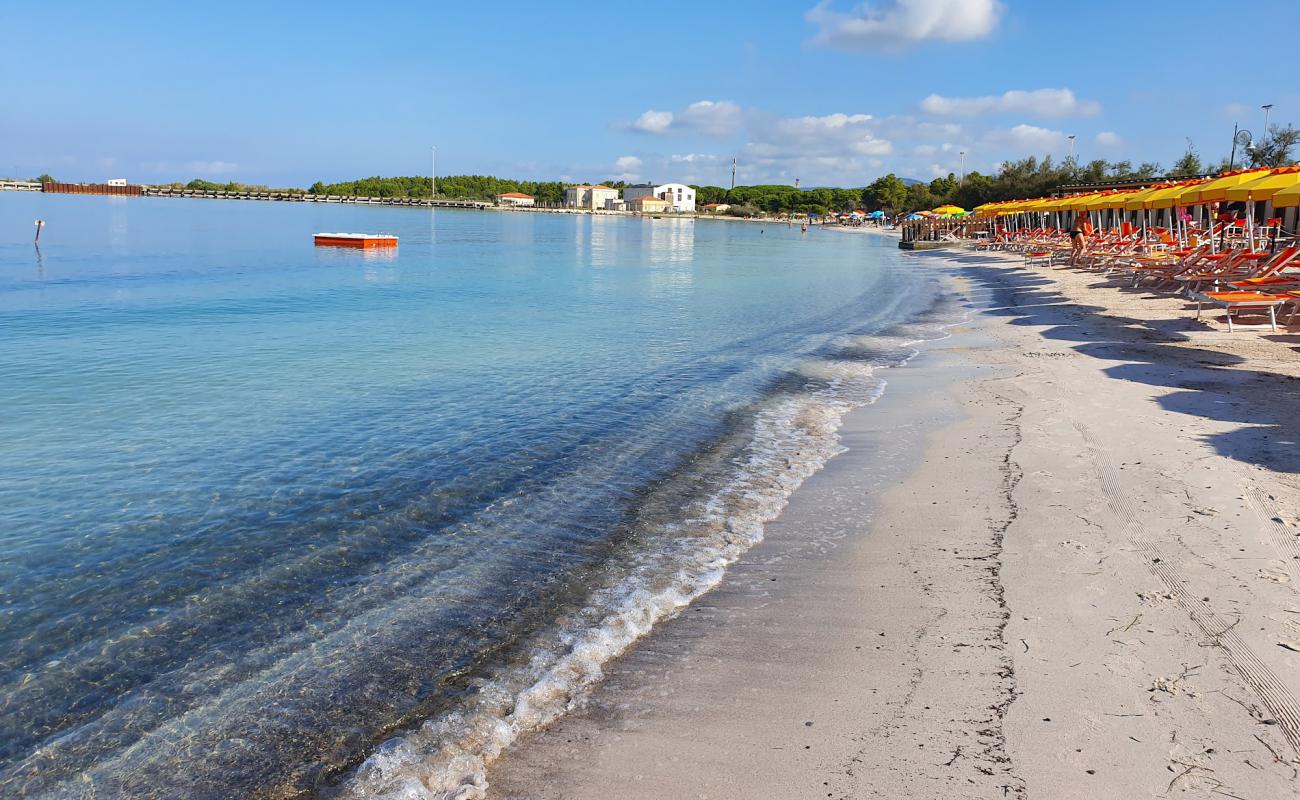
(265, 506)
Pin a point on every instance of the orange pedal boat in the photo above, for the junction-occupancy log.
(362, 240)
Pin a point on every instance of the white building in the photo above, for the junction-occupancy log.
(592, 197)
(117, 181)
(515, 199)
(681, 198)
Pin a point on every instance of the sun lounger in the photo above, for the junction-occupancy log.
(1245, 301)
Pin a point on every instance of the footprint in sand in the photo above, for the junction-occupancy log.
(1275, 574)
(1155, 598)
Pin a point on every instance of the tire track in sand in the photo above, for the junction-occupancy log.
(1283, 539)
(1272, 692)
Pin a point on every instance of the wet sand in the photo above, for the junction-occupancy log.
(1059, 559)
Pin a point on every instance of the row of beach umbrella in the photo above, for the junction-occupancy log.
(1281, 186)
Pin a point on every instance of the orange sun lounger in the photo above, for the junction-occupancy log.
(1245, 301)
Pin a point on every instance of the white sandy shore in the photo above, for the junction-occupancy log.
(1084, 586)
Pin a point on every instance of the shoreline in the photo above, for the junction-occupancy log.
(1082, 585)
(417, 203)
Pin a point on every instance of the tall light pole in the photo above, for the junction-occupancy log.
(433, 175)
(1264, 139)
(962, 181)
(1071, 138)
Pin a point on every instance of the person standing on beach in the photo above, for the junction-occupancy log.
(1078, 234)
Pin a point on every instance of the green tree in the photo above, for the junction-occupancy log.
(1188, 164)
(888, 193)
(919, 198)
(46, 178)
(943, 189)
(1276, 149)
(709, 194)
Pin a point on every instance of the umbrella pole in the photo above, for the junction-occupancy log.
(1250, 226)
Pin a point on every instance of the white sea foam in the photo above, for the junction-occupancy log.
(792, 438)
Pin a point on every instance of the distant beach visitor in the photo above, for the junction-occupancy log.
(1078, 233)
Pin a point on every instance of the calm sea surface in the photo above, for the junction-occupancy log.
(265, 506)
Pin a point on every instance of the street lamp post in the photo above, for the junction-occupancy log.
(433, 175)
(962, 180)
(1264, 138)
(1071, 138)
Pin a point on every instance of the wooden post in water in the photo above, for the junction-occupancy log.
(40, 223)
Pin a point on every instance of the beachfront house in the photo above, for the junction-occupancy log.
(591, 197)
(116, 181)
(649, 204)
(680, 197)
(615, 204)
(515, 199)
(715, 208)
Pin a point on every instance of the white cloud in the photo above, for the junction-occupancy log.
(211, 167)
(692, 158)
(1108, 139)
(712, 118)
(1236, 110)
(1026, 139)
(655, 122)
(896, 24)
(706, 117)
(833, 134)
(628, 168)
(837, 149)
(1039, 102)
(189, 168)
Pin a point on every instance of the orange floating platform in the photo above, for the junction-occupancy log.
(362, 240)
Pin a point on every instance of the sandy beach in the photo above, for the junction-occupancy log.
(1059, 559)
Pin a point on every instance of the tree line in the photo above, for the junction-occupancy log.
(460, 187)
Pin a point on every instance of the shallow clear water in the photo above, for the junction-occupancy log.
(264, 505)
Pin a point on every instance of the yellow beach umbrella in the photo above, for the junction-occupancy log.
(1108, 200)
(1264, 187)
(1169, 196)
(1075, 202)
(1287, 198)
(1217, 189)
(1137, 201)
(950, 209)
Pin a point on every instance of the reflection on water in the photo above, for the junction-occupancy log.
(118, 225)
(604, 240)
(671, 240)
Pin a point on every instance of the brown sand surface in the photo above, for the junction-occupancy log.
(1058, 560)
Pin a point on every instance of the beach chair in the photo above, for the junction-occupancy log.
(1246, 301)
(1270, 275)
(1038, 257)
(1229, 265)
(1164, 265)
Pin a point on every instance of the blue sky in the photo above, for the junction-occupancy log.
(833, 94)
